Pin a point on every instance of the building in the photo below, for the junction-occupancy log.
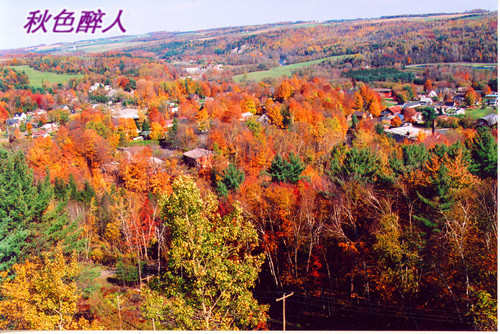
(12, 122)
(383, 92)
(264, 119)
(199, 158)
(412, 104)
(394, 110)
(407, 132)
(491, 100)
(246, 115)
(488, 120)
(20, 116)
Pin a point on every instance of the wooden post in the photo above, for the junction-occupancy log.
(119, 313)
(283, 298)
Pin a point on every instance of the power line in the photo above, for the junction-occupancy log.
(392, 311)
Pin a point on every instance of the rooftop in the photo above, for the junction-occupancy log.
(198, 153)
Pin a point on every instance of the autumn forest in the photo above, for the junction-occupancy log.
(189, 180)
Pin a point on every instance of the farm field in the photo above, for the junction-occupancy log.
(280, 71)
(36, 78)
(473, 65)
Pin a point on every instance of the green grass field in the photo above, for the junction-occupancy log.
(491, 66)
(277, 72)
(136, 143)
(478, 113)
(37, 77)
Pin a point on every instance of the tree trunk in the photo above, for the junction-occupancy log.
(119, 311)
(328, 272)
(309, 256)
(272, 269)
(139, 266)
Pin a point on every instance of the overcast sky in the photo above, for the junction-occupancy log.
(142, 16)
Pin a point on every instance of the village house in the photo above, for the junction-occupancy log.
(411, 104)
(126, 113)
(385, 120)
(246, 115)
(407, 132)
(491, 100)
(383, 92)
(488, 120)
(199, 158)
(40, 133)
(359, 116)
(21, 116)
(264, 119)
(50, 127)
(394, 110)
(418, 118)
(425, 99)
(12, 122)
(432, 94)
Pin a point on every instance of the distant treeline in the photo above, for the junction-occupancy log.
(381, 74)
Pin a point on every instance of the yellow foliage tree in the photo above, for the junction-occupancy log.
(358, 101)
(248, 105)
(274, 113)
(375, 108)
(156, 131)
(284, 91)
(42, 296)
(203, 120)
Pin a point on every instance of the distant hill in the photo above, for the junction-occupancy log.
(131, 42)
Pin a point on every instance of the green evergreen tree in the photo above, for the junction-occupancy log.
(379, 129)
(429, 114)
(436, 199)
(56, 228)
(172, 133)
(282, 170)
(414, 157)
(88, 192)
(72, 188)
(356, 164)
(484, 154)
(221, 189)
(232, 177)
(355, 122)
(21, 206)
(60, 189)
(26, 226)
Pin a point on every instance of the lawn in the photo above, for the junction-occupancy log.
(135, 143)
(478, 113)
(37, 77)
(276, 72)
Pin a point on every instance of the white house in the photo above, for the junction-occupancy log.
(432, 94)
(21, 116)
(246, 115)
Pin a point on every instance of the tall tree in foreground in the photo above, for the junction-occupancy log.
(484, 154)
(22, 204)
(212, 265)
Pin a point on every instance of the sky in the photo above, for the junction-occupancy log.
(143, 16)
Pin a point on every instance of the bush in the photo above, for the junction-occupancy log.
(449, 122)
(126, 273)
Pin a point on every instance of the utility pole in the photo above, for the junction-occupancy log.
(283, 298)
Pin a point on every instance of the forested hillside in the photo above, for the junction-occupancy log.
(153, 191)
